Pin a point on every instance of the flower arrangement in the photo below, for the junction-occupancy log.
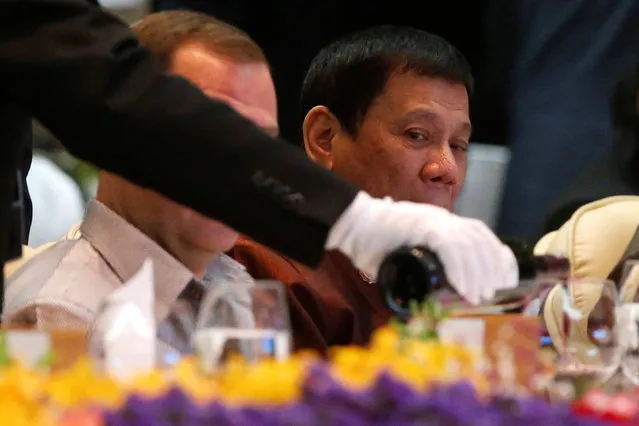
(405, 377)
(325, 401)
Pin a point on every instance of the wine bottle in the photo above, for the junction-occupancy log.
(414, 274)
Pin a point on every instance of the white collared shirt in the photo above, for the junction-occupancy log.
(64, 286)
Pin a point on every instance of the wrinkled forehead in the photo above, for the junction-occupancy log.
(414, 97)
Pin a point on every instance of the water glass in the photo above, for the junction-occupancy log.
(585, 335)
(251, 322)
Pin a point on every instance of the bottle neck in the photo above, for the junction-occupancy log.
(550, 266)
(415, 273)
(533, 267)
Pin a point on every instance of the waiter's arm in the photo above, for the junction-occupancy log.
(81, 72)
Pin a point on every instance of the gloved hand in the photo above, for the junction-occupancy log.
(476, 262)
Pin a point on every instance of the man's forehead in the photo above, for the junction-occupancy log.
(197, 62)
(246, 87)
(429, 114)
(413, 87)
(422, 97)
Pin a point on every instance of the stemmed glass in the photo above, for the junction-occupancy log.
(581, 321)
(251, 322)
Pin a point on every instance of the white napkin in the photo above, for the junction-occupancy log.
(463, 331)
(129, 331)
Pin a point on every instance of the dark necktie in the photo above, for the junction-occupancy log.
(172, 330)
(193, 294)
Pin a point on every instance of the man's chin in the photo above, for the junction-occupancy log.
(447, 203)
(448, 206)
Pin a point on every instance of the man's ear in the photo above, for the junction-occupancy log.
(320, 130)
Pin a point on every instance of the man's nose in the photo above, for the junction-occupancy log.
(440, 166)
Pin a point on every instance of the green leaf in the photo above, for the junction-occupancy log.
(5, 355)
(430, 335)
(414, 307)
(438, 311)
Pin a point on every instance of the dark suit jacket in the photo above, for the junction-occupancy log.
(82, 74)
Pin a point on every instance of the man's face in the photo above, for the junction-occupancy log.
(247, 88)
(411, 145)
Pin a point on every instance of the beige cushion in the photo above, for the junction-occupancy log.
(594, 240)
(596, 236)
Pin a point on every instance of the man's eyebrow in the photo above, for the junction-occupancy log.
(425, 114)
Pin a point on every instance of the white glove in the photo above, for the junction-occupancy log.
(475, 261)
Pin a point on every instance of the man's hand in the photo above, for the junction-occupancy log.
(477, 263)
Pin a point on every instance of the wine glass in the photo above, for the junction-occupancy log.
(629, 282)
(249, 321)
(585, 335)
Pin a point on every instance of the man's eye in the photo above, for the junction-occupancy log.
(416, 135)
(459, 147)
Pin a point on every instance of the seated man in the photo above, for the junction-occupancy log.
(387, 109)
(64, 285)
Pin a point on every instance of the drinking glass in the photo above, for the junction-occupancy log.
(249, 321)
(629, 282)
(585, 336)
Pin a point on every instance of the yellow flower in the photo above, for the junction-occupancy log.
(199, 386)
(357, 367)
(413, 361)
(80, 386)
(385, 340)
(17, 411)
(150, 385)
(411, 372)
(16, 379)
(266, 382)
(21, 397)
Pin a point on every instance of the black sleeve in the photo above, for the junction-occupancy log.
(81, 72)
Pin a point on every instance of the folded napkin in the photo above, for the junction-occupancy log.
(128, 329)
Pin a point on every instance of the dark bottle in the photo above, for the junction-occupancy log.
(415, 274)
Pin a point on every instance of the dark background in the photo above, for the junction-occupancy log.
(291, 33)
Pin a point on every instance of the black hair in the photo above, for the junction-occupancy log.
(348, 75)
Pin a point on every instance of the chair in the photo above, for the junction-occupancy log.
(594, 240)
(480, 197)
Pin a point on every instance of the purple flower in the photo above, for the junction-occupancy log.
(214, 414)
(136, 412)
(173, 409)
(248, 416)
(321, 389)
(393, 393)
(299, 413)
(457, 404)
(325, 401)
